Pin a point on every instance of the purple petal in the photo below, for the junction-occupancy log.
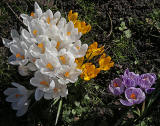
(125, 102)
(149, 90)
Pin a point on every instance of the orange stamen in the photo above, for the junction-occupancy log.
(32, 14)
(55, 90)
(68, 33)
(115, 85)
(48, 20)
(78, 47)
(45, 83)
(133, 96)
(58, 44)
(18, 55)
(35, 32)
(62, 58)
(18, 95)
(41, 45)
(66, 74)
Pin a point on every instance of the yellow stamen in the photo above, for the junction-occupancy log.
(58, 44)
(35, 32)
(48, 20)
(32, 14)
(68, 33)
(62, 58)
(66, 74)
(45, 83)
(49, 66)
(133, 96)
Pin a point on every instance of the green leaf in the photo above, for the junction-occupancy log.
(58, 112)
(137, 112)
(143, 107)
(127, 33)
(77, 103)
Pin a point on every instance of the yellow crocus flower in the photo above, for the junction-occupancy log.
(81, 25)
(89, 71)
(79, 62)
(94, 51)
(105, 63)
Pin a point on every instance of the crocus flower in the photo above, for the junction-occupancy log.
(94, 51)
(89, 71)
(146, 81)
(133, 96)
(116, 86)
(130, 79)
(18, 97)
(105, 63)
(81, 25)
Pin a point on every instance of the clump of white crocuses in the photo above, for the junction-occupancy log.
(48, 48)
(51, 49)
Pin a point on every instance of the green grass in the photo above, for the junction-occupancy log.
(87, 102)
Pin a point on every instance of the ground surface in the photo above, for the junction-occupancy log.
(139, 52)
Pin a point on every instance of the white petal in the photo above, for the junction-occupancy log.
(23, 70)
(38, 94)
(21, 111)
(7, 43)
(10, 91)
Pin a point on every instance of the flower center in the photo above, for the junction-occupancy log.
(41, 45)
(66, 74)
(18, 55)
(49, 66)
(58, 44)
(133, 96)
(68, 33)
(63, 60)
(45, 83)
(115, 85)
(35, 32)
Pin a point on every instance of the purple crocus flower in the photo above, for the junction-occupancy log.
(146, 81)
(130, 79)
(133, 96)
(116, 86)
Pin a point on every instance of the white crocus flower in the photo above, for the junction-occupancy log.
(49, 18)
(27, 69)
(58, 90)
(69, 33)
(48, 64)
(39, 48)
(65, 57)
(43, 84)
(36, 14)
(19, 51)
(19, 98)
(15, 36)
(78, 50)
(37, 27)
(68, 74)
